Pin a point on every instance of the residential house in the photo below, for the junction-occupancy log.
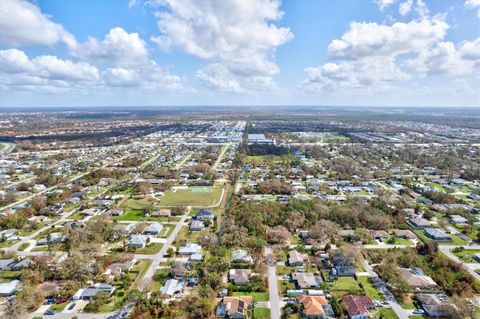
(437, 234)
(8, 233)
(380, 235)
(190, 249)
(241, 256)
(233, 307)
(7, 289)
(315, 307)
(305, 280)
(420, 222)
(89, 292)
(458, 220)
(197, 225)
(153, 229)
(358, 307)
(296, 259)
(172, 287)
(415, 277)
(119, 269)
(138, 241)
(52, 239)
(240, 277)
(435, 305)
(404, 233)
(6, 263)
(204, 215)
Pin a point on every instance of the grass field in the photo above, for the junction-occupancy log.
(261, 313)
(345, 284)
(370, 290)
(137, 215)
(257, 296)
(386, 313)
(150, 249)
(192, 196)
(467, 255)
(58, 307)
(268, 158)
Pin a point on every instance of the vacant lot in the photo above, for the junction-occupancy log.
(467, 255)
(192, 196)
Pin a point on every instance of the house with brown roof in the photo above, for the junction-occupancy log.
(296, 259)
(304, 280)
(404, 233)
(233, 307)
(435, 305)
(415, 277)
(240, 277)
(315, 307)
(379, 234)
(358, 307)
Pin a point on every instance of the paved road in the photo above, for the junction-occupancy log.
(272, 286)
(158, 258)
(401, 313)
(221, 155)
(446, 251)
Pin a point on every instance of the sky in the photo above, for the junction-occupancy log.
(239, 52)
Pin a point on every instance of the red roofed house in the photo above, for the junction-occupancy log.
(358, 306)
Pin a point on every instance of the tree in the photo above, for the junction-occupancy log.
(324, 231)
(143, 187)
(278, 235)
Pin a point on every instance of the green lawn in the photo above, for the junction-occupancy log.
(467, 255)
(150, 249)
(257, 296)
(58, 307)
(345, 283)
(261, 313)
(457, 241)
(284, 285)
(23, 246)
(159, 278)
(386, 313)
(192, 196)
(139, 270)
(8, 243)
(400, 241)
(369, 288)
(137, 215)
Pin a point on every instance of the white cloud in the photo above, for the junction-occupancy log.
(118, 47)
(405, 7)
(14, 61)
(56, 68)
(240, 37)
(367, 39)
(148, 76)
(22, 23)
(473, 4)
(374, 73)
(447, 59)
(121, 77)
(383, 4)
(377, 57)
(44, 73)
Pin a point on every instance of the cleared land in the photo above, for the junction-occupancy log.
(192, 196)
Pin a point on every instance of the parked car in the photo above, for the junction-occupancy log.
(50, 312)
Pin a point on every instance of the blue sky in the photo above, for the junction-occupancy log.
(232, 52)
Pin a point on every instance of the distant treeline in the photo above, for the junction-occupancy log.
(266, 149)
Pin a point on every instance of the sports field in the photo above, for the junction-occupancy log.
(192, 196)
